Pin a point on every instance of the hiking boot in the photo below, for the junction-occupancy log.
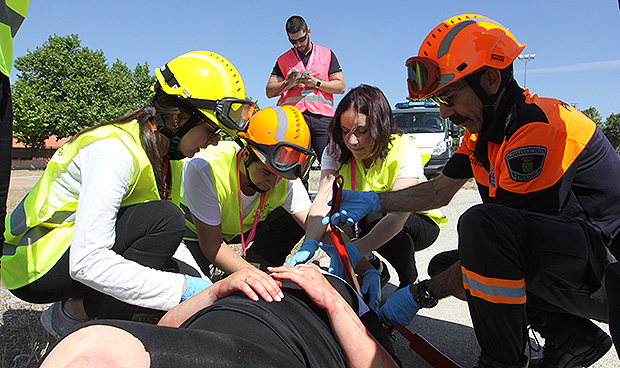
(570, 341)
(381, 267)
(57, 321)
(484, 362)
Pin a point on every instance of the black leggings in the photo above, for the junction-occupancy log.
(147, 233)
(6, 135)
(418, 233)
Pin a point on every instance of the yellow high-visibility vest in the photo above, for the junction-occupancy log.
(11, 18)
(380, 177)
(39, 230)
(223, 165)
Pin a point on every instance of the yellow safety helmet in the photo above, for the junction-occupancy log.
(211, 84)
(280, 137)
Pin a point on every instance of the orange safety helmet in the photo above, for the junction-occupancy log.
(280, 137)
(457, 48)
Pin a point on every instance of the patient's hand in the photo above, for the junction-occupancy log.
(250, 280)
(310, 279)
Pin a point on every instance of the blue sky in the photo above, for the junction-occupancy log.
(575, 42)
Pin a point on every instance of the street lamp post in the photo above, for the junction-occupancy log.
(526, 58)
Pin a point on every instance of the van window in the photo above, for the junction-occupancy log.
(420, 122)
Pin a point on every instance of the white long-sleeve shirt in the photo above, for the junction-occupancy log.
(99, 177)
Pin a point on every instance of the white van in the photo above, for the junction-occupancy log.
(421, 122)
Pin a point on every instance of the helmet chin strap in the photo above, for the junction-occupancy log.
(488, 101)
(488, 108)
(175, 137)
(246, 164)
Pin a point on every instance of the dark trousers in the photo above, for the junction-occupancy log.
(6, 143)
(418, 233)
(612, 286)
(275, 237)
(318, 134)
(318, 131)
(147, 233)
(560, 262)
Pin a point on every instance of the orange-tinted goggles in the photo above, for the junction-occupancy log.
(422, 76)
(288, 160)
(233, 113)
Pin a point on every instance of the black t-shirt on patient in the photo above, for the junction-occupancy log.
(295, 324)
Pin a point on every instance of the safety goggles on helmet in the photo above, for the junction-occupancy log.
(422, 76)
(288, 160)
(233, 113)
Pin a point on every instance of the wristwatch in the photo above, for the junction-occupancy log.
(318, 83)
(423, 297)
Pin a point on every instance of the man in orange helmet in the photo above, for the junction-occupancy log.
(534, 253)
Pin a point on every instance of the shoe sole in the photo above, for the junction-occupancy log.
(600, 348)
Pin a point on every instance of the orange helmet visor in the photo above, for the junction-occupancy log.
(422, 76)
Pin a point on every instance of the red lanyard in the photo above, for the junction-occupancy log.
(353, 165)
(244, 243)
(416, 342)
(310, 60)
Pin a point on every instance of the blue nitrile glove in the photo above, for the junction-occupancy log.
(371, 285)
(353, 207)
(335, 266)
(399, 308)
(305, 252)
(194, 285)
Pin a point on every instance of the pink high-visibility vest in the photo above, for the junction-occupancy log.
(311, 99)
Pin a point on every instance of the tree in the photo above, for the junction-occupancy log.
(611, 128)
(63, 87)
(594, 115)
